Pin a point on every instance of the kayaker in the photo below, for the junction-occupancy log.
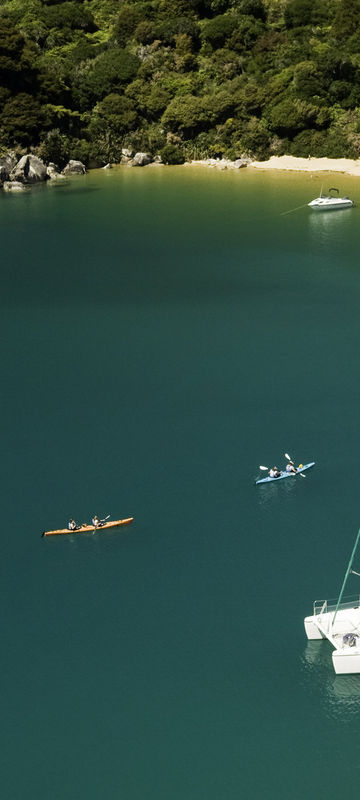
(290, 467)
(95, 521)
(72, 526)
(274, 472)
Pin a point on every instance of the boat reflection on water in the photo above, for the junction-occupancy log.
(267, 491)
(340, 693)
(329, 227)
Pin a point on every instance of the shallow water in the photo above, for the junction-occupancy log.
(164, 332)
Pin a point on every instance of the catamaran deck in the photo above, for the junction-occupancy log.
(340, 624)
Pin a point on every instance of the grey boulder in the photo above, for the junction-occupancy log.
(14, 186)
(53, 173)
(141, 159)
(30, 169)
(242, 162)
(74, 168)
(7, 163)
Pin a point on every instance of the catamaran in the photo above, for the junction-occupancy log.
(330, 202)
(338, 621)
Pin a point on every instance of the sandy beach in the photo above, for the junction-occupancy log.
(345, 165)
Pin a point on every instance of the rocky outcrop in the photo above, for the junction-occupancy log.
(16, 175)
(14, 186)
(239, 163)
(52, 171)
(7, 163)
(222, 163)
(30, 169)
(74, 168)
(141, 160)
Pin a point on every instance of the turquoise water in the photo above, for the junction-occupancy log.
(164, 332)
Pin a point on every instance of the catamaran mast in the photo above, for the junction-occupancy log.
(346, 577)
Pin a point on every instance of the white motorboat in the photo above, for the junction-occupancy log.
(330, 202)
(338, 621)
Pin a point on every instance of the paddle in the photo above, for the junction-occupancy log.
(265, 468)
(290, 459)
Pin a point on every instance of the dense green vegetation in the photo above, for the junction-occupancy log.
(188, 78)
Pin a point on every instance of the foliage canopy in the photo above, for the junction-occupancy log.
(180, 77)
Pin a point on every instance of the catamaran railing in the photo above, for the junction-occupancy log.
(329, 606)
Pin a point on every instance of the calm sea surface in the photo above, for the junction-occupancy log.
(164, 332)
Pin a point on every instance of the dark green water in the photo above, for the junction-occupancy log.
(164, 332)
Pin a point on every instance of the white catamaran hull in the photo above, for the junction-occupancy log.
(343, 634)
(339, 622)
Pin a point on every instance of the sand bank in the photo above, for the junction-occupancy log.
(218, 163)
(345, 165)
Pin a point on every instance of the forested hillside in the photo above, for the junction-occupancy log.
(189, 78)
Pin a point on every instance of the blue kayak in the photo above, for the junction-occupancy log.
(286, 474)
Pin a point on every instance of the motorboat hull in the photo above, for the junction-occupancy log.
(330, 204)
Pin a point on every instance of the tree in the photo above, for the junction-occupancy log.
(126, 23)
(111, 119)
(70, 15)
(307, 81)
(299, 13)
(21, 118)
(244, 36)
(106, 74)
(56, 147)
(347, 19)
(115, 113)
(185, 114)
(217, 30)
(291, 115)
(253, 8)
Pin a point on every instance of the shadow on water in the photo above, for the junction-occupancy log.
(339, 693)
(69, 188)
(327, 226)
(66, 186)
(270, 491)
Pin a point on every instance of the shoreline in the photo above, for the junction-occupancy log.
(287, 163)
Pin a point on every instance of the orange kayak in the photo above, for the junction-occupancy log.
(90, 528)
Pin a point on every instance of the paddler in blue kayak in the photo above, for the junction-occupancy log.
(274, 472)
(290, 467)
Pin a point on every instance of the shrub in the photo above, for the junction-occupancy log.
(170, 154)
(56, 147)
(216, 30)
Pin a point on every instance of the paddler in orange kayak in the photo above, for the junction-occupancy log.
(73, 526)
(98, 522)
